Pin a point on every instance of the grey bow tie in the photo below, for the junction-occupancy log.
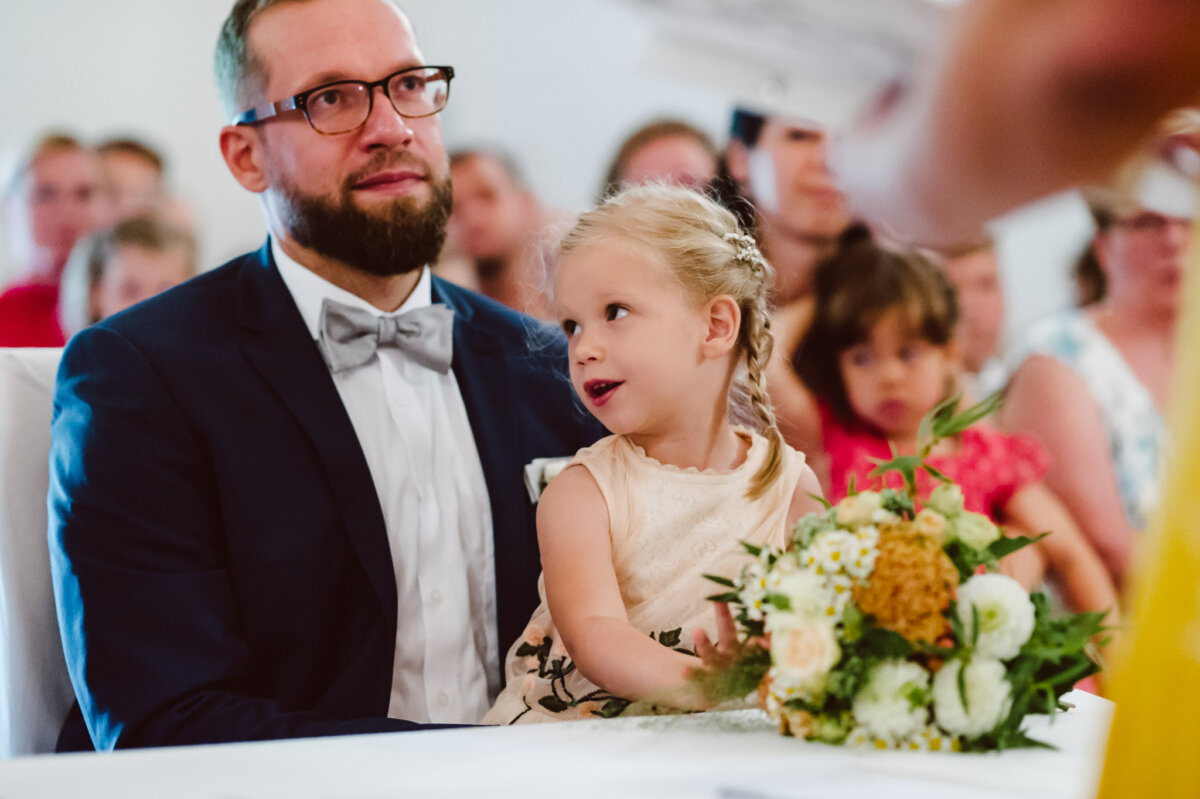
(350, 336)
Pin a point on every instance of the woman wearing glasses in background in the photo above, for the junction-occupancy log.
(1093, 383)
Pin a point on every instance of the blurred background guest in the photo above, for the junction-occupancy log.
(779, 165)
(52, 197)
(1093, 383)
(135, 179)
(116, 268)
(668, 150)
(495, 243)
(975, 273)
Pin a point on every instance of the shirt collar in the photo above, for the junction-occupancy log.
(309, 290)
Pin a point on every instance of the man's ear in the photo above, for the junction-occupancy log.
(241, 147)
(737, 158)
(724, 322)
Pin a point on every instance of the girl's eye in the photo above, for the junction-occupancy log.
(860, 357)
(614, 312)
(911, 353)
(570, 327)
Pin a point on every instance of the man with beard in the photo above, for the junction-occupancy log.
(287, 498)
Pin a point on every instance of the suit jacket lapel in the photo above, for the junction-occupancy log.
(280, 347)
(484, 382)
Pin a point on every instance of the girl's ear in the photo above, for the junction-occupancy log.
(724, 321)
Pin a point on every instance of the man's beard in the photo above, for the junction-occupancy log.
(400, 237)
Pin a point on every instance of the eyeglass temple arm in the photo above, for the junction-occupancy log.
(265, 112)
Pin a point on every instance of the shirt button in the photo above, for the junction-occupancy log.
(443, 699)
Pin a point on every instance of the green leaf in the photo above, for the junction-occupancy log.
(725, 581)
(751, 548)
(1005, 546)
(948, 423)
(526, 650)
(780, 601)
(553, 703)
(852, 489)
(728, 596)
(936, 474)
(824, 502)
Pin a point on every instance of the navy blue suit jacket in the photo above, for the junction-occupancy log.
(220, 558)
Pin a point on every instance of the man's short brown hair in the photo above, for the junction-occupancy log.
(240, 75)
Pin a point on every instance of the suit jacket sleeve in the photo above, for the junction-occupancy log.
(147, 609)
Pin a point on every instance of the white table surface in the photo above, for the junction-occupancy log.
(735, 755)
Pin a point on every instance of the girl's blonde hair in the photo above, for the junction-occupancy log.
(710, 255)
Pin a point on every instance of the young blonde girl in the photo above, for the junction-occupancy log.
(879, 355)
(663, 300)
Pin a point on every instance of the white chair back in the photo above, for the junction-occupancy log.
(35, 690)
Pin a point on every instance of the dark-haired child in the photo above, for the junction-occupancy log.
(879, 355)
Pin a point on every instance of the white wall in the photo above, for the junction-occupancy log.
(557, 82)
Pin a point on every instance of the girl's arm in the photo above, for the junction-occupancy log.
(1079, 571)
(1049, 402)
(585, 600)
(804, 497)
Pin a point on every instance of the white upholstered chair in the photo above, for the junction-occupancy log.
(35, 691)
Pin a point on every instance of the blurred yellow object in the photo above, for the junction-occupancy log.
(1155, 740)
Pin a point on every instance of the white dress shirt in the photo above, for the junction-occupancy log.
(414, 432)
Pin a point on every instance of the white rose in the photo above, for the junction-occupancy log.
(802, 652)
(883, 706)
(808, 595)
(946, 499)
(989, 697)
(973, 529)
(1006, 614)
(931, 523)
(859, 509)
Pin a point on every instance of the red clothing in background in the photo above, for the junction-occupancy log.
(988, 465)
(29, 316)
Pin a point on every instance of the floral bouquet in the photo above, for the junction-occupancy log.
(886, 626)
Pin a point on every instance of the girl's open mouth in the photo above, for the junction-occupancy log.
(600, 391)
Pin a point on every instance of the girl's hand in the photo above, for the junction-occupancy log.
(727, 647)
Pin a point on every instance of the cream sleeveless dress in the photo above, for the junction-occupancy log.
(669, 527)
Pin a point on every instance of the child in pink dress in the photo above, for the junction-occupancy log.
(879, 355)
(663, 300)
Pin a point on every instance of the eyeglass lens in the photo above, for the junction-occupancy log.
(340, 107)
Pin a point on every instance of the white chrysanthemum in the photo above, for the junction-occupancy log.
(882, 516)
(753, 589)
(858, 509)
(832, 551)
(946, 499)
(1005, 613)
(973, 529)
(884, 706)
(864, 550)
(989, 697)
(802, 653)
(808, 595)
(931, 523)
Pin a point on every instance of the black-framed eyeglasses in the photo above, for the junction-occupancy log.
(345, 105)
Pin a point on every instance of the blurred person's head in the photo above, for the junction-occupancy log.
(1136, 259)
(1144, 220)
(975, 273)
(667, 151)
(120, 266)
(494, 213)
(881, 349)
(368, 189)
(780, 165)
(134, 176)
(52, 196)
